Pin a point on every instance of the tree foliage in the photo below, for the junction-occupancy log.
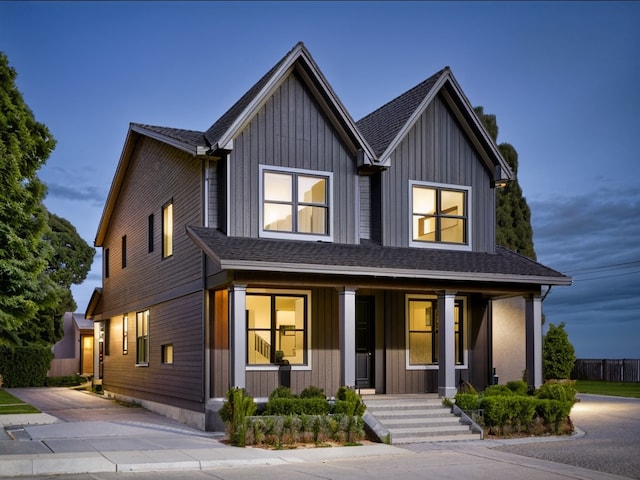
(558, 354)
(25, 145)
(41, 255)
(513, 216)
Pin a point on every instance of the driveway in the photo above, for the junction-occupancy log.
(611, 440)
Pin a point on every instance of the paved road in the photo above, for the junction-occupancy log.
(611, 442)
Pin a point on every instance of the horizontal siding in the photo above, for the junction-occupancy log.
(157, 174)
(436, 150)
(290, 131)
(177, 322)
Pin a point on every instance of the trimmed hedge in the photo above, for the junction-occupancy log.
(505, 409)
(25, 366)
(290, 419)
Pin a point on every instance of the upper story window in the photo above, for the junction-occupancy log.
(167, 230)
(295, 204)
(440, 215)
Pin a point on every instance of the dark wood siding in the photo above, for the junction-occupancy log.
(170, 288)
(437, 150)
(157, 174)
(176, 322)
(290, 131)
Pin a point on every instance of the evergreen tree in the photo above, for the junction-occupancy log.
(558, 354)
(25, 145)
(513, 216)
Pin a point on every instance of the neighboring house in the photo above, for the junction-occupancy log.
(363, 253)
(74, 353)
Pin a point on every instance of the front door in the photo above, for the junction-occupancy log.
(365, 342)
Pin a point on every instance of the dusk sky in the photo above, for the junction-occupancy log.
(563, 79)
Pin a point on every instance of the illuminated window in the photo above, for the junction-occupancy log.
(296, 202)
(276, 328)
(439, 215)
(167, 354)
(125, 335)
(167, 230)
(142, 338)
(422, 331)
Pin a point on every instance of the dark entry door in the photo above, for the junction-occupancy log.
(365, 342)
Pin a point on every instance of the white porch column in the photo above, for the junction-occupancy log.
(237, 335)
(347, 319)
(533, 320)
(446, 346)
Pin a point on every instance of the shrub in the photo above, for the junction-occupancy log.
(518, 387)
(467, 401)
(25, 366)
(312, 392)
(348, 402)
(497, 390)
(281, 392)
(558, 354)
(297, 406)
(563, 391)
(236, 408)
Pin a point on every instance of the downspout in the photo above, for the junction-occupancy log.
(546, 293)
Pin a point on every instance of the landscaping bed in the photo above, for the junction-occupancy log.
(289, 421)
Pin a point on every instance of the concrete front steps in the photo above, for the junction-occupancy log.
(400, 419)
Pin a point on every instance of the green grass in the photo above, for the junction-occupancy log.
(12, 405)
(618, 389)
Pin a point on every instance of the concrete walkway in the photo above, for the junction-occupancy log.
(84, 433)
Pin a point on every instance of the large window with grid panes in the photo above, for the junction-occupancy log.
(295, 203)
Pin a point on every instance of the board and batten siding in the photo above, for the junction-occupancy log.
(157, 174)
(290, 131)
(436, 150)
(325, 351)
(176, 322)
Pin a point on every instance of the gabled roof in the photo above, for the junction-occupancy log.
(222, 132)
(387, 126)
(371, 259)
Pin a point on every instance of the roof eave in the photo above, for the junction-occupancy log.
(185, 147)
(247, 265)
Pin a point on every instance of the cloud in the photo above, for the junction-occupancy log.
(577, 235)
(78, 193)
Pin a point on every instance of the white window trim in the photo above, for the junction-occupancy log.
(293, 235)
(465, 325)
(466, 247)
(273, 367)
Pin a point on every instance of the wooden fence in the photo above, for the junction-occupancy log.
(608, 370)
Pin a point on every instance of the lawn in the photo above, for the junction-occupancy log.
(12, 405)
(618, 389)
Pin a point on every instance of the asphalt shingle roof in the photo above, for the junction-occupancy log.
(381, 126)
(190, 137)
(369, 255)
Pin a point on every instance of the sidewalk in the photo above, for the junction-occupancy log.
(43, 444)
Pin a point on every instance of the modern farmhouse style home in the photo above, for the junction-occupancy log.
(357, 253)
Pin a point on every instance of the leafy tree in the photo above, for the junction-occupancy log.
(558, 354)
(41, 254)
(513, 216)
(25, 145)
(69, 265)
